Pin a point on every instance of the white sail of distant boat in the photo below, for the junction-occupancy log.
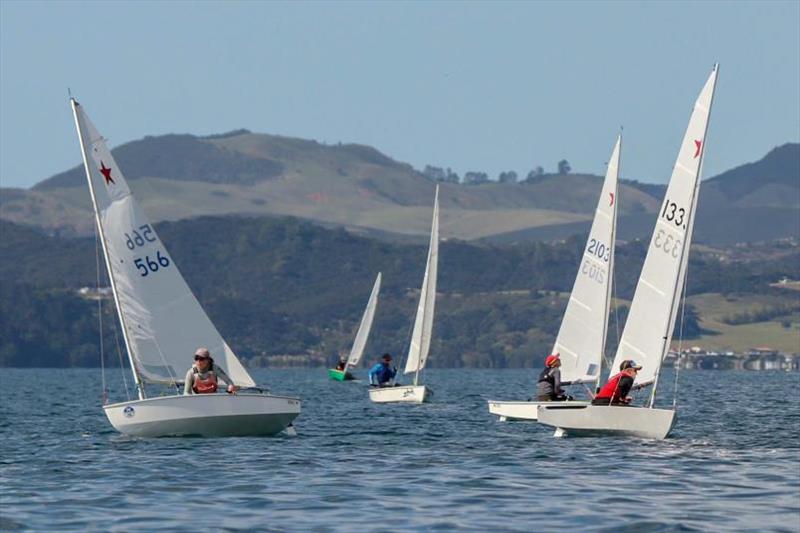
(582, 336)
(342, 370)
(357, 351)
(162, 322)
(423, 323)
(420, 344)
(652, 315)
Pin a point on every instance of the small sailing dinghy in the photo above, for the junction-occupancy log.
(582, 337)
(423, 327)
(651, 319)
(163, 323)
(357, 351)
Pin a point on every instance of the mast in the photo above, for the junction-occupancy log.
(136, 378)
(612, 242)
(684, 265)
(427, 283)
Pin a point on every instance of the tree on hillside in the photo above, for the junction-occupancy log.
(475, 178)
(451, 177)
(507, 177)
(535, 175)
(434, 173)
(440, 174)
(563, 167)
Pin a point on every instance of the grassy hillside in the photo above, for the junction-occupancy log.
(781, 332)
(355, 186)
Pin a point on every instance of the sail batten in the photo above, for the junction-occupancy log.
(652, 314)
(162, 321)
(582, 335)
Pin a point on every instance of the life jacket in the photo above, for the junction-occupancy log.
(610, 391)
(205, 386)
(547, 376)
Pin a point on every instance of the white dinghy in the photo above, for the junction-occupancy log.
(163, 323)
(653, 311)
(423, 327)
(357, 351)
(582, 337)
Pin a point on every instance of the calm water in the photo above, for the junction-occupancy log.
(732, 463)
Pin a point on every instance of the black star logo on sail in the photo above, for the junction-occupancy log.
(106, 172)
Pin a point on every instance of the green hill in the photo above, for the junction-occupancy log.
(284, 290)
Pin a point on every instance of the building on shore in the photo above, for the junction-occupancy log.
(759, 358)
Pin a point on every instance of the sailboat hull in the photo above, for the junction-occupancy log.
(402, 394)
(205, 415)
(603, 420)
(340, 375)
(522, 411)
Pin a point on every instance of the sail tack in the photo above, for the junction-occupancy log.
(423, 323)
(164, 323)
(357, 351)
(651, 319)
(582, 336)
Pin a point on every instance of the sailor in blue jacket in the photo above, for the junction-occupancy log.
(381, 374)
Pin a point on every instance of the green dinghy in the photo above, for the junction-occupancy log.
(340, 375)
(361, 337)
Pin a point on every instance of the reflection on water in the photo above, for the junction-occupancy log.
(733, 461)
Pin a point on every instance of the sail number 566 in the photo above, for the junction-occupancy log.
(139, 239)
(148, 265)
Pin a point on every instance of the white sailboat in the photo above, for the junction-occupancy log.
(162, 322)
(653, 311)
(364, 328)
(423, 327)
(581, 338)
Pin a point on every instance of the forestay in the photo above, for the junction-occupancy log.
(651, 319)
(366, 325)
(162, 320)
(423, 324)
(582, 336)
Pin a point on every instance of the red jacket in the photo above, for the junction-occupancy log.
(616, 389)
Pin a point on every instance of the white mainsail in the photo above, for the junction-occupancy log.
(423, 324)
(163, 323)
(582, 337)
(652, 314)
(366, 325)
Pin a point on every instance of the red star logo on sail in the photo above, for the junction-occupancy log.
(106, 172)
(697, 145)
(611, 194)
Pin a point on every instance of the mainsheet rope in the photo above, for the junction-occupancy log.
(100, 315)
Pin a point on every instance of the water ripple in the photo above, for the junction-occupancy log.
(441, 466)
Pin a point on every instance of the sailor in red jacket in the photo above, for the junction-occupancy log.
(615, 391)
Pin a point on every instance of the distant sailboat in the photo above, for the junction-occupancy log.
(423, 327)
(162, 322)
(653, 311)
(581, 339)
(357, 351)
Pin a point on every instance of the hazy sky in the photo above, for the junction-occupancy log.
(474, 86)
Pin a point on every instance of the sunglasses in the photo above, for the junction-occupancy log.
(201, 358)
